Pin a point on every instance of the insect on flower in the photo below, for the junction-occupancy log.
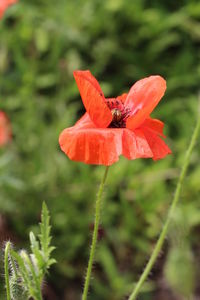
(116, 126)
(4, 5)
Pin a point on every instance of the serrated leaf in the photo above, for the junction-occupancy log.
(51, 249)
(33, 241)
(45, 238)
(45, 228)
(38, 259)
(51, 261)
(31, 268)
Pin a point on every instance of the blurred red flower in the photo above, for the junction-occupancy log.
(4, 5)
(5, 129)
(116, 126)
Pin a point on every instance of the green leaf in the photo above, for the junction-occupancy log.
(37, 257)
(45, 228)
(45, 240)
(51, 262)
(28, 270)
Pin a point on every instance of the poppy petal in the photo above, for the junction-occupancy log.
(122, 98)
(84, 122)
(135, 145)
(92, 145)
(157, 145)
(93, 98)
(5, 129)
(83, 142)
(154, 125)
(143, 98)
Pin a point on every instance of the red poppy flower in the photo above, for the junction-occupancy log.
(4, 5)
(116, 126)
(5, 129)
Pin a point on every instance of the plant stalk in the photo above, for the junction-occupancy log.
(95, 235)
(6, 268)
(165, 228)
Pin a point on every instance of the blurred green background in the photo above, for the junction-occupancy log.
(41, 43)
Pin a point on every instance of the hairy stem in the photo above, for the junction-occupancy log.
(37, 290)
(6, 268)
(94, 236)
(164, 231)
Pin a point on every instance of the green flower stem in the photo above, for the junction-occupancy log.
(6, 267)
(163, 233)
(94, 236)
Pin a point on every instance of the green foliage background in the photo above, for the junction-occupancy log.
(41, 43)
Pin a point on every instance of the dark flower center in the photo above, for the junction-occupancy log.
(119, 113)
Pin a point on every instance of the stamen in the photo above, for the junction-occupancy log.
(119, 113)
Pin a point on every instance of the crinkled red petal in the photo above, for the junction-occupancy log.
(157, 145)
(86, 143)
(135, 145)
(155, 125)
(93, 98)
(92, 145)
(143, 98)
(84, 122)
(5, 129)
